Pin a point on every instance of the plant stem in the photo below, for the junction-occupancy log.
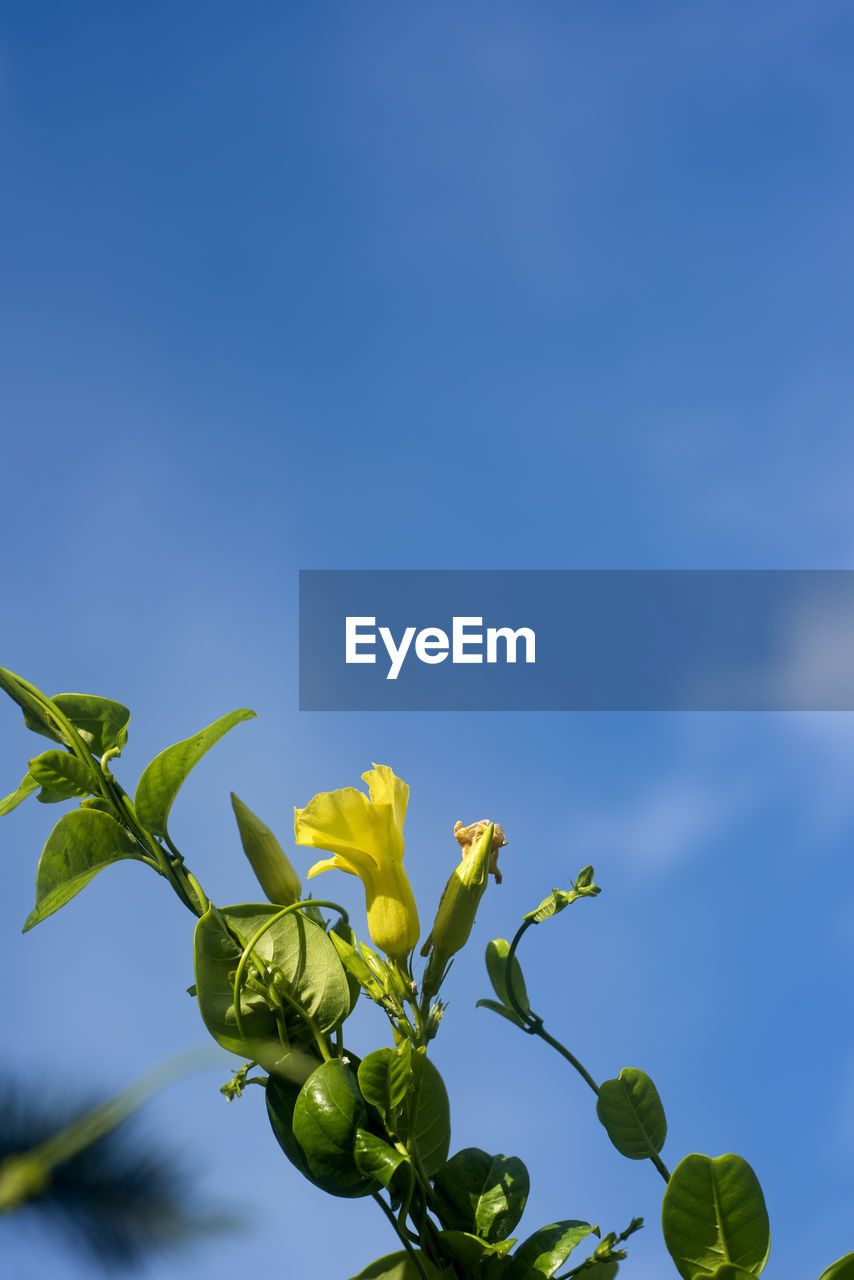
(416, 1261)
(536, 1028)
(533, 1024)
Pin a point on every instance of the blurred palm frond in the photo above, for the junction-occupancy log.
(121, 1198)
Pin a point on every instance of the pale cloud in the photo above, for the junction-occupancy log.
(673, 819)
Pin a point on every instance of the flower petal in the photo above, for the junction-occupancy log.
(342, 822)
(335, 863)
(389, 798)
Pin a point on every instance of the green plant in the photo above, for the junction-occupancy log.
(276, 983)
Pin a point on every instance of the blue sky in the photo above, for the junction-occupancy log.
(466, 286)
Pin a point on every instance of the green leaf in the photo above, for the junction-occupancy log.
(482, 1194)
(162, 779)
(96, 802)
(327, 1115)
(29, 704)
(560, 898)
(432, 1123)
(81, 844)
(101, 722)
(548, 1249)
(282, 1094)
(603, 1269)
(399, 1266)
(502, 1009)
(730, 1272)
(631, 1111)
(714, 1213)
(295, 947)
(27, 787)
(62, 773)
(385, 1076)
(376, 1159)
(475, 1254)
(842, 1269)
(497, 953)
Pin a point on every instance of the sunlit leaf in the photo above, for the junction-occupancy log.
(584, 887)
(714, 1213)
(631, 1111)
(503, 975)
(81, 844)
(482, 1194)
(297, 948)
(27, 787)
(62, 773)
(162, 779)
(842, 1269)
(328, 1113)
(546, 1250)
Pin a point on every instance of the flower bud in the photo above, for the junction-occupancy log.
(459, 903)
(269, 861)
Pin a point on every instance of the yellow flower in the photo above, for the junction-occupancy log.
(366, 838)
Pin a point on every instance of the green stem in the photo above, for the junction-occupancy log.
(416, 1261)
(244, 960)
(533, 1024)
(536, 1028)
(31, 699)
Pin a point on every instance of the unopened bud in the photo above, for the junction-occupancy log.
(458, 906)
(269, 861)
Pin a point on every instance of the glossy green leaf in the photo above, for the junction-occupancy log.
(602, 1269)
(842, 1269)
(294, 946)
(81, 844)
(477, 1256)
(500, 975)
(399, 1266)
(327, 1115)
(432, 1124)
(101, 722)
(502, 1009)
(376, 1159)
(544, 1252)
(62, 773)
(631, 1111)
(162, 779)
(281, 1095)
(385, 1076)
(27, 787)
(730, 1272)
(714, 1213)
(482, 1194)
(97, 802)
(584, 887)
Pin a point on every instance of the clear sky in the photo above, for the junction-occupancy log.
(481, 285)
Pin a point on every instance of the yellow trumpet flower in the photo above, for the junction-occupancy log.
(365, 837)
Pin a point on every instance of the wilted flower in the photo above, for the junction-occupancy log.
(458, 905)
